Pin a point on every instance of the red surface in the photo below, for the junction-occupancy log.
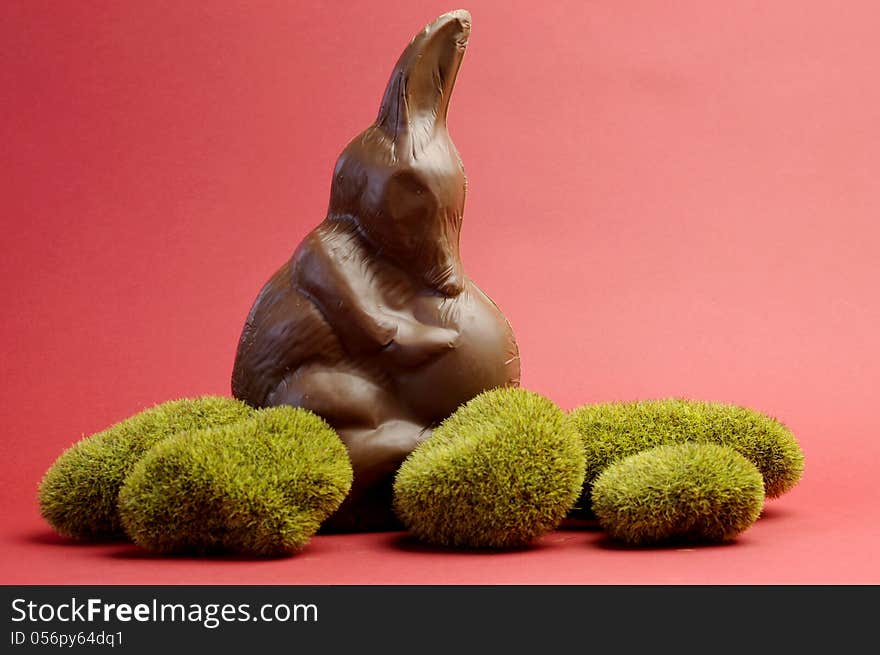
(666, 199)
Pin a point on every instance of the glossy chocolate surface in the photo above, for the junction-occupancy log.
(373, 323)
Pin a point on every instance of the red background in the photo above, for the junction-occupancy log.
(666, 199)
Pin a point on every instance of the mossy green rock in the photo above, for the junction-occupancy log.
(690, 492)
(502, 470)
(78, 494)
(612, 431)
(259, 487)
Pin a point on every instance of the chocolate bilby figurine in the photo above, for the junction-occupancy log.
(373, 324)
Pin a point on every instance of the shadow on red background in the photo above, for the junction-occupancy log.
(666, 200)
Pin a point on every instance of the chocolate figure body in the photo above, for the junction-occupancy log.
(373, 324)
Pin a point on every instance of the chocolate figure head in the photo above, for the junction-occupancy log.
(402, 179)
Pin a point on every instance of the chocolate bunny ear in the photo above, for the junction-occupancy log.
(417, 96)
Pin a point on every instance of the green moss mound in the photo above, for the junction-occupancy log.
(612, 431)
(78, 494)
(502, 470)
(689, 492)
(260, 487)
